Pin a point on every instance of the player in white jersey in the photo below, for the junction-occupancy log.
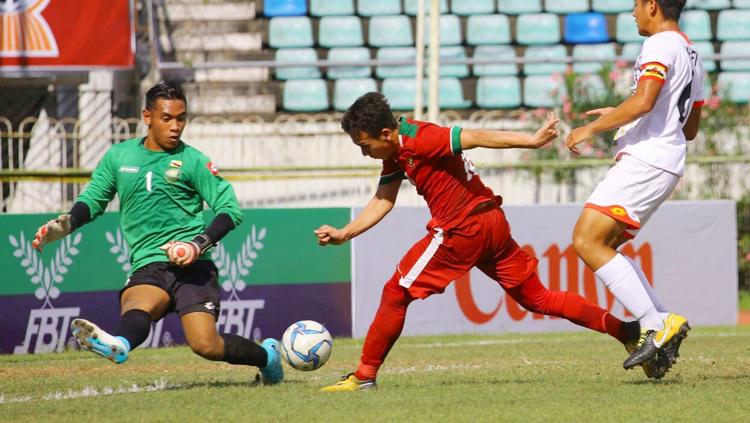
(655, 122)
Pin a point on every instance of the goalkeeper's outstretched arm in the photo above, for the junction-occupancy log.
(57, 228)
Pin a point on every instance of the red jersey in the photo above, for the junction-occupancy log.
(431, 158)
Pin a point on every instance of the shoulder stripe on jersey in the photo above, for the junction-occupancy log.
(406, 128)
(395, 176)
(654, 77)
(455, 140)
(699, 104)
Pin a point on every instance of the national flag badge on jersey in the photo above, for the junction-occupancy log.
(654, 70)
(212, 168)
(175, 163)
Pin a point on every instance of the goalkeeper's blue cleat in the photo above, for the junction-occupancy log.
(273, 373)
(92, 338)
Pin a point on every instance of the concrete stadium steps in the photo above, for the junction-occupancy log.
(189, 11)
(228, 42)
(233, 98)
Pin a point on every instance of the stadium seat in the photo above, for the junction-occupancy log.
(498, 92)
(708, 4)
(696, 24)
(473, 7)
(591, 88)
(706, 48)
(390, 31)
(495, 52)
(627, 31)
(734, 86)
(348, 54)
(450, 94)
(346, 91)
(290, 32)
(396, 71)
(410, 7)
(741, 4)
(566, 6)
(557, 51)
(611, 6)
(488, 29)
(400, 92)
(517, 7)
(630, 51)
(603, 52)
(538, 28)
(450, 30)
(586, 28)
(340, 31)
(273, 8)
(733, 25)
(735, 49)
(305, 95)
(543, 91)
(306, 54)
(458, 70)
(331, 7)
(378, 7)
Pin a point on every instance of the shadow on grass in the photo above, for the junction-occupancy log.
(225, 384)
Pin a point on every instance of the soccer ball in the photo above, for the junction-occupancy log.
(307, 345)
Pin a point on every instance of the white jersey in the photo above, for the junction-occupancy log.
(656, 138)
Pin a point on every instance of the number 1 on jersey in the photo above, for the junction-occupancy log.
(149, 175)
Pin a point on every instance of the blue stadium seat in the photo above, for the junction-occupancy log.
(450, 30)
(450, 94)
(488, 30)
(604, 52)
(538, 28)
(410, 7)
(586, 28)
(340, 31)
(390, 31)
(734, 86)
(331, 7)
(630, 51)
(473, 7)
(543, 91)
(458, 70)
(498, 92)
(708, 4)
(305, 95)
(348, 54)
(290, 32)
(706, 48)
(306, 54)
(627, 31)
(696, 24)
(517, 7)
(495, 52)
(378, 7)
(741, 4)
(735, 49)
(566, 6)
(733, 25)
(611, 6)
(346, 91)
(400, 92)
(273, 8)
(396, 71)
(556, 51)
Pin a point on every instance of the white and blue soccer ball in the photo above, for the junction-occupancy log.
(306, 345)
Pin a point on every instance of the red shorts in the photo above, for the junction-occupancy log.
(482, 240)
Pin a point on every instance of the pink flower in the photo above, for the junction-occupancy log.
(556, 77)
(599, 154)
(523, 117)
(568, 69)
(714, 102)
(614, 76)
(539, 113)
(567, 107)
(620, 64)
(747, 257)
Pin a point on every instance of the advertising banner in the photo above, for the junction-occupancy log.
(687, 249)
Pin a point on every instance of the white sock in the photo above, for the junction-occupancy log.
(663, 313)
(620, 277)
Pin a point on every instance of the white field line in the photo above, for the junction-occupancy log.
(89, 391)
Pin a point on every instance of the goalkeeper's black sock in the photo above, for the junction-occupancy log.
(134, 326)
(239, 350)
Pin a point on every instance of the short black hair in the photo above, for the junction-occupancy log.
(166, 91)
(369, 114)
(671, 9)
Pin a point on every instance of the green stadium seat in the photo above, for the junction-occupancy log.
(396, 71)
(450, 94)
(696, 24)
(305, 95)
(378, 7)
(346, 91)
(734, 86)
(306, 54)
(458, 70)
(340, 31)
(390, 31)
(543, 91)
(450, 30)
(400, 92)
(290, 32)
(706, 48)
(603, 52)
(733, 25)
(495, 52)
(517, 7)
(557, 51)
(348, 54)
(627, 31)
(410, 7)
(735, 49)
(708, 4)
(566, 6)
(272, 8)
(630, 51)
(488, 30)
(592, 88)
(612, 6)
(741, 4)
(331, 7)
(498, 92)
(538, 28)
(472, 7)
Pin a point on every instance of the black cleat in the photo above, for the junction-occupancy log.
(644, 351)
(653, 368)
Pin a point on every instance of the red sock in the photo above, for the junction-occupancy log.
(385, 328)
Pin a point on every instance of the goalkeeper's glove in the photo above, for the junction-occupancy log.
(181, 253)
(52, 231)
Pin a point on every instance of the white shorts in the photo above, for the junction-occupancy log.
(631, 192)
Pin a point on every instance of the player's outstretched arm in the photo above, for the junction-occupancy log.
(471, 138)
(61, 226)
(374, 211)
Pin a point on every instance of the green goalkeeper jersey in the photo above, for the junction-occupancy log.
(161, 195)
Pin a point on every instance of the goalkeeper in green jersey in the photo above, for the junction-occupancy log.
(162, 183)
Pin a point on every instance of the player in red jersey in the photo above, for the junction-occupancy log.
(468, 228)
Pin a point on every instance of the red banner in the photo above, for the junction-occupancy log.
(66, 33)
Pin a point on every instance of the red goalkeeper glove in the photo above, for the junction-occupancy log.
(52, 231)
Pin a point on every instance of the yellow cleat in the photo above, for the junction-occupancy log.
(350, 383)
(675, 329)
